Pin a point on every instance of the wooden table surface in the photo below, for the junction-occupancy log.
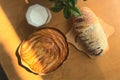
(14, 28)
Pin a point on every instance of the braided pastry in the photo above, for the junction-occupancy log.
(89, 33)
(44, 50)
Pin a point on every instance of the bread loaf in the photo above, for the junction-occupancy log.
(89, 33)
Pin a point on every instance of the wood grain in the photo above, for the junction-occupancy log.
(14, 28)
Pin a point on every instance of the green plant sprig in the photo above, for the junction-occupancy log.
(68, 6)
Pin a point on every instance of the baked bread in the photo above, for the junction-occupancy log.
(89, 33)
(44, 50)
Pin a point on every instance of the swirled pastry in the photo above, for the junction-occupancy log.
(44, 50)
(89, 33)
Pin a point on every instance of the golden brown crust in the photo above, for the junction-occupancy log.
(89, 33)
(44, 50)
(87, 18)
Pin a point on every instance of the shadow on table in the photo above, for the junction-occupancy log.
(2, 74)
(15, 11)
(77, 67)
(6, 62)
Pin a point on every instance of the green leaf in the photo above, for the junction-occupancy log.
(75, 11)
(68, 7)
(73, 2)
(67, 12)
(70, 3)
(57, 7)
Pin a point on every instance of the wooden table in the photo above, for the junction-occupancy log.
(14, 28)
